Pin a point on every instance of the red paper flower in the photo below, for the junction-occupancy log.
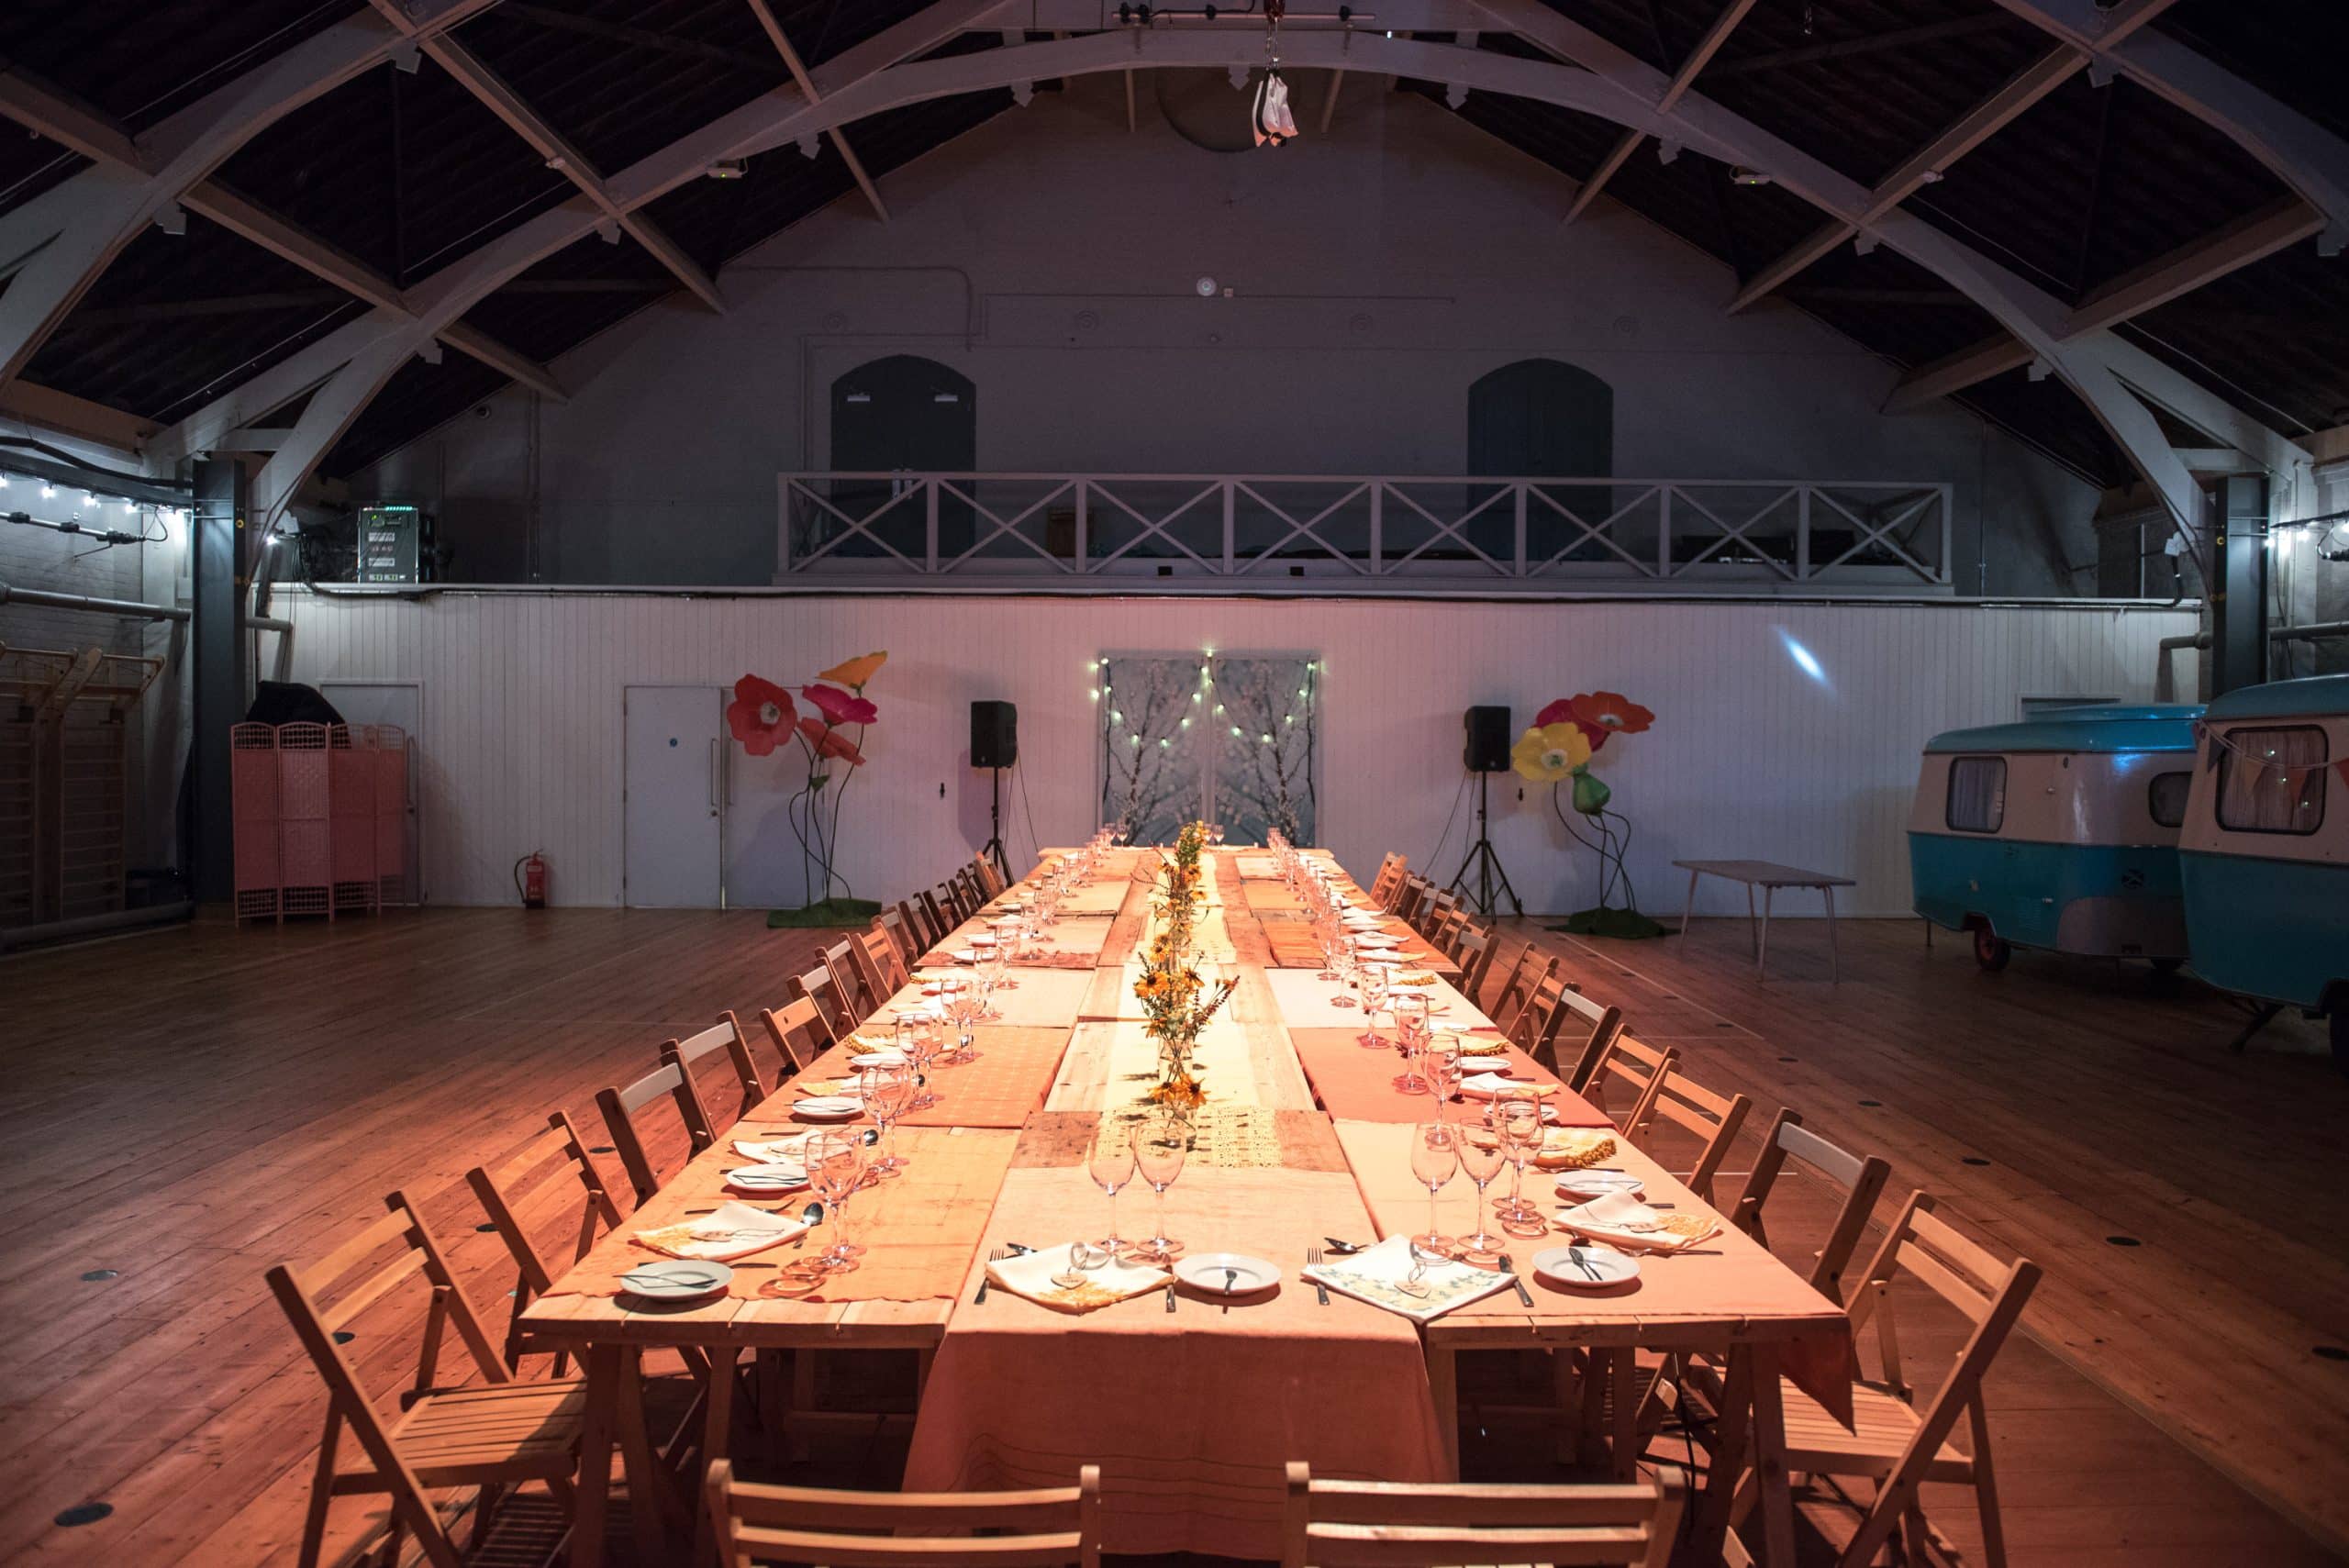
(761, 715)
(1562, 712)
(830, 742)
(838, 707)
(1611, 710)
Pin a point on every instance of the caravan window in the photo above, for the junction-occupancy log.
(2165, 798)
(1977, 793)
(2272, 781)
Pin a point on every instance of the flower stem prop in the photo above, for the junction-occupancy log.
(1565, 740)
(761, 717)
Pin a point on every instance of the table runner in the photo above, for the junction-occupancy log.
(1192, 1416)
(1292, 945)
(919, 1229)
(1307, 1140)
(1356, 1084)
(1729, 1288)
(1114, 1062)
(1069, 938)
(1044, 998)
(1015, 1069)
(1304, 1002)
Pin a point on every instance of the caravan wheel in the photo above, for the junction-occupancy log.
(1990, 951)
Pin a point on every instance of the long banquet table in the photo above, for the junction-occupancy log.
(1191, 1414)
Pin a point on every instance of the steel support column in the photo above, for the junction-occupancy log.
(2238, 588)
(216, 543)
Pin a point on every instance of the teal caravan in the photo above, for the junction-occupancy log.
(2266, 850)
(2059, 831)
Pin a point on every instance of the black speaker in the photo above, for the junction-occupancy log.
(995, 734)
(1488, 741)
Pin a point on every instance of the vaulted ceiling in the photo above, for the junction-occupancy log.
(2047, 139)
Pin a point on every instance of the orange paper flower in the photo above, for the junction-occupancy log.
(830, 742)
(855, 672)
(1611, 710)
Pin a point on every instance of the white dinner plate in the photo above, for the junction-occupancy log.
(776, 1177)
(1582, 1184)
(1227, 1273)
(1485, 1064)
(1378, 941)
(1574, 1266)
(828, 1108)
(891, 1058)
(966, 955)
(676, 1279)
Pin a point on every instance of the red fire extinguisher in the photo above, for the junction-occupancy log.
(530, 880)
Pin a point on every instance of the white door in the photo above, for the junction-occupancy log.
(400, 703)
(671, 824)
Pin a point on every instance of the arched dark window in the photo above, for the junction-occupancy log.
(1544, 418)
(898, 414)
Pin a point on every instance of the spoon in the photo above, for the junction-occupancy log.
(1344, 1249)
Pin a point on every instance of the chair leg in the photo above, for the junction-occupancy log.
(314, 1521)
(1985, 1489)
(1912, 1536)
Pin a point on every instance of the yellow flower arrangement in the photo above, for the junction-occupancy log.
(1169, 989)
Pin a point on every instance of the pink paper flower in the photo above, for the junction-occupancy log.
(761, 715)
(838, 707)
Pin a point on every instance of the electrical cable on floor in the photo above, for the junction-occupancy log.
(1453, 816)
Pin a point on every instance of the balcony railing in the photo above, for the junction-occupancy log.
(1346, 534)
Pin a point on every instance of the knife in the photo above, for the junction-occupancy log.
(1510, 1269)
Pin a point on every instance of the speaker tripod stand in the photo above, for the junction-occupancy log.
(993, 849)
(1491, 876)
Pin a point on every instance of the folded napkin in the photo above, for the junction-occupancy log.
(1057, 960)
(846, 1088)
(731, 1230)
(774, 1151)
(1382, 1276)
(1575, 1149)
(1488, 1085)
(1624, 1221)
(1031, 1274)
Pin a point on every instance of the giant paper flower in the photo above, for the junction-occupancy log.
(856, 672)
(838, 707)
(1562, 712)
(761, 715)
(1611, 710)
(826, 741)
(1549, 753)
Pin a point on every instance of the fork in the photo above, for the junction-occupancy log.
(1509, 1269)
(1313, 1260)
(994, 1255)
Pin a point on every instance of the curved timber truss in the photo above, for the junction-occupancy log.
(56, 244)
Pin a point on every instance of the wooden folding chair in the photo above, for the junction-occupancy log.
(855, 1004)
(1389, 1524)
(722, 1038)
(1390, 875)
(1517, 980)
(619, 1105)
(892, 923)
(1892, 1441)
(1041, 1528)
(1432, 910)
(816, 987)
(1861, 1179)
(879, 963)
(1412, 892)
(1534, 1031)
(520, 1187)
(1475, 959)
(1639, 1068)
(919, 935)
(496, 1434)
(955, 900)
(798, 1030)
(936, 914)
(991, 881)
(1604, 1023)
(1715, 1119)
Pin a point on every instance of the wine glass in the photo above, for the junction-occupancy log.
(1516, 1117)
(835, 1161)
(1347, 966)
(887, 1092)
(1482, 1155)
(1006, 948)
(1159, 1145)
(920, 1038)
(1374, 977)
(1435, 1155)
(1439, 1061)
(1410, 1009)
(1111, 1167)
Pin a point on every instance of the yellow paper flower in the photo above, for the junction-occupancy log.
(855, 672)
(1550, 753)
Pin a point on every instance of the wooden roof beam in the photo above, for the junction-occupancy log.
(1682, 80)
(792, 62)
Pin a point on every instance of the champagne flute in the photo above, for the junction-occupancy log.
(1160, 1144)
(1435, 1155)
(1111, 1167)
(1482, 1155)
(835, 1161)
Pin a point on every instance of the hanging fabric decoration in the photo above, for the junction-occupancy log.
(1269, 118)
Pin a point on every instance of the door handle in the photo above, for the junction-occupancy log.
(713, 775)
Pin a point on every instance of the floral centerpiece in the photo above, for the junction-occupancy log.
(1565, 740)
(1176, 1000)
(763, 717)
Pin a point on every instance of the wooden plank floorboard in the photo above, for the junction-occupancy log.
(191, 1106)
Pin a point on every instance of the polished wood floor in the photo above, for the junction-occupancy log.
(186, 1108)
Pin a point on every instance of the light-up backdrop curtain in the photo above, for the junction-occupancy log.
(1231, 738)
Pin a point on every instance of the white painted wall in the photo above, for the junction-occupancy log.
(1050, 256)
(1750, 757)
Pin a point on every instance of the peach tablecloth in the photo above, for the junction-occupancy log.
(1305, 1003)
(1191, 1416)
(1043, 998)
(1015, 1068)
(1356, 1084)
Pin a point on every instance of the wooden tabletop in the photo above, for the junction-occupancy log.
(1766, 873)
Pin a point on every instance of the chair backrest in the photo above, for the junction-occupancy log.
(920, 936)
(1382, 886)
(1050, 1525)
(991, 881)
(895, 924)
(955, 900)
(1388, 1524)
(1535, 1029)
(878, 962)
(1413, 892)
(1861, 1179)
(798, 1030)
(620, 1108)
(692, 1056)
(1602, 1022)
(1713, 1117)
(1429, 918)
(816, 987)
(1518, 981)
(519, 1187)
(841, 967)
(1475, 959)
(937, 914)
(1641, 1069)
(340, 1274)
